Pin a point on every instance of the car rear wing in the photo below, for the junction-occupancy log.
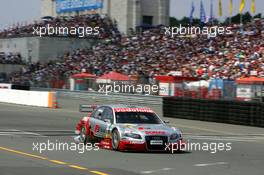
(87, 108)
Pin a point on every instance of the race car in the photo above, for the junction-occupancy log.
(126, 128)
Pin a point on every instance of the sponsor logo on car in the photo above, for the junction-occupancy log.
(133, 110)
(155, 132)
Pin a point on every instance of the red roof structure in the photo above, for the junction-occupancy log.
(174, 79)
(250, 80)
(83, 75)
(114, 76)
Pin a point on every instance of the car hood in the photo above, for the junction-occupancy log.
(149, 129)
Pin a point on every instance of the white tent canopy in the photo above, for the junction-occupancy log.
(197, 84)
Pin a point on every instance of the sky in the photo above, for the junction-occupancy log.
(13, 11)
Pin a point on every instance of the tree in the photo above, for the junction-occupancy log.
(185, 21)
(257, 15)
(236, 19)
(174, 21)
(247, 17)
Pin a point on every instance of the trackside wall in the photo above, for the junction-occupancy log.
(222, 111)
(30, 98)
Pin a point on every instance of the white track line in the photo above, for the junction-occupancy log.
(210, 164)
(10, 134)
(155, 171)
(15, 132)
(238, 139)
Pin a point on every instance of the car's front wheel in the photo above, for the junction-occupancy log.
(83, 136)
(115, 139)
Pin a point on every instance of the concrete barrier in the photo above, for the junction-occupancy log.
(30, 98)
(5, 86)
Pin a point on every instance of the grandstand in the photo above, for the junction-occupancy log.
(34, 48)
(149, 53)
(227, 57)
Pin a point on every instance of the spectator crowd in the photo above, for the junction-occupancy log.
(152, 52)
(10, 58)
(107, 27)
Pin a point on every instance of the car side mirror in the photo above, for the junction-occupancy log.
(107, 121)
(166, 121)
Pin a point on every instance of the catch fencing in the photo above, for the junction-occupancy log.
(223, 111)
(72, 99)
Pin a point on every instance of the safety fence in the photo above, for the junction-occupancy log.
(223, 111)
(216, 89)
(72, 99)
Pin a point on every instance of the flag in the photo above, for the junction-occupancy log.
(211, 12)
(202, 13)
(253, 7)
(191, 14)
(242, 6)
(220, 8)
(231, 8)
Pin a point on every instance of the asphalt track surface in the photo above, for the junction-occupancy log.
(21, 127)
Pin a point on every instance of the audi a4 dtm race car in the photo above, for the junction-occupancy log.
(126, 128)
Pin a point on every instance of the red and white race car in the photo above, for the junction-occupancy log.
(126, 128)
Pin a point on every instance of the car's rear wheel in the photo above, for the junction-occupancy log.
(115, 139)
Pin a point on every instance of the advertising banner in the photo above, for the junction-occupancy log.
(63, 6)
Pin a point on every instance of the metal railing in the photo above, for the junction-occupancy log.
(72, 99)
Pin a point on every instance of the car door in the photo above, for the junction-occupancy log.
(97, 122)
(108, 118)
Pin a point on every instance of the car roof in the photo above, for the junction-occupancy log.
(125, 106)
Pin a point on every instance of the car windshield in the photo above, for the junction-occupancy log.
(137, 118)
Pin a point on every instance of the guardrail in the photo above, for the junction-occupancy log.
(223, 111)
(72, 99)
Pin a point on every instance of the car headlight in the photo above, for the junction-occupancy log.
(133, 135)
(180, 134)
(174, 136)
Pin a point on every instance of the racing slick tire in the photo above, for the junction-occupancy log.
(115, 140)
(85, 138)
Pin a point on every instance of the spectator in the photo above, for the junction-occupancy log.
(108, 29)
(153, 53)
(10, 58)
